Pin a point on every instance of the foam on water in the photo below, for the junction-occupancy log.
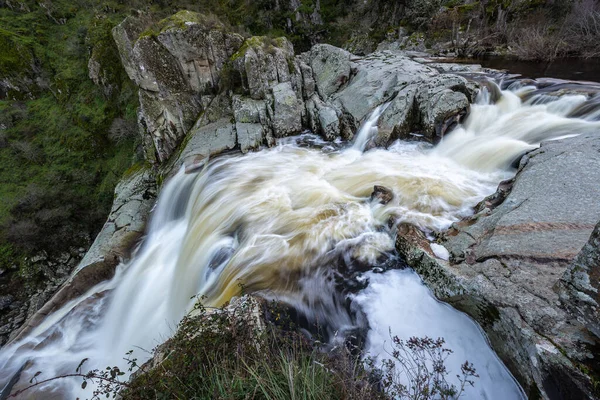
(398, 304)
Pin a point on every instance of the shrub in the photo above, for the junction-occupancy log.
(417, 370)
(539, 42)
(583, 27)
(420, 13)
(232, 355)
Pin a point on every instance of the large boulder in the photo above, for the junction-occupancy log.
(506, 262)
(331, 68)
(174, 63)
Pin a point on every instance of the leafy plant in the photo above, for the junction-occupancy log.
(417, 370)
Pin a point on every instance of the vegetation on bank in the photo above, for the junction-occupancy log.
(252, 349)
(525, 29)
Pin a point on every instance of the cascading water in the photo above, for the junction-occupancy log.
(284, 221)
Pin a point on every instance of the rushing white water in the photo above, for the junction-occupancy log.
(397, 301)
(368, 128)
(282, 222)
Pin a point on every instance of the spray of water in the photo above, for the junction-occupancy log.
(281, 222)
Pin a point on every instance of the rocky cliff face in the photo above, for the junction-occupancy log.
(197, 81)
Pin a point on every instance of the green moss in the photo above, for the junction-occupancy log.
(182, 21)
(253, 42)
(16, 57)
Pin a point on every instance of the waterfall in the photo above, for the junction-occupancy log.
(368, 128)
(282, 220)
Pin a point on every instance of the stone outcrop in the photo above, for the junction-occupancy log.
(580, 284)
(214, 91)
(507, 264)
(174, 63)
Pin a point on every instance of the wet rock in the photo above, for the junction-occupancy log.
(507, 262)
(382, 194)
(399, 117)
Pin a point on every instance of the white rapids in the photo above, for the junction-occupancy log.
(276, 221)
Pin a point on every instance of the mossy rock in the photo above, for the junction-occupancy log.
(182, 21)
(265, 43)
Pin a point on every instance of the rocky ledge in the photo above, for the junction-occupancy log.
(214, 91)
(518, 268)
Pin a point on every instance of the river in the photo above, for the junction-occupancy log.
(285, 221)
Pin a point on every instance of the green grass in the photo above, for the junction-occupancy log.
(227, 355)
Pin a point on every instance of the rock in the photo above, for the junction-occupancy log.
(331, 68)
(174, 63)
(329, 123)
(506, 263)
(440, 98)
(125, 35)
(287, 117)
(263, 63)
(579, 290)
(247, 110)
(249, 136)
(382, 194)
(322, 119)
(377, 79)
(5, 302)
(308, 82)
(252, 122)
(399, 117)
(208, 140)
(134, 197)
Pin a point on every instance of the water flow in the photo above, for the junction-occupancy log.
(284, 222)
(368, 128)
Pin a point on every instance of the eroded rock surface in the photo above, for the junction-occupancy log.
(173, 63)
(580, 284)
(507, 264)
(192, 73)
